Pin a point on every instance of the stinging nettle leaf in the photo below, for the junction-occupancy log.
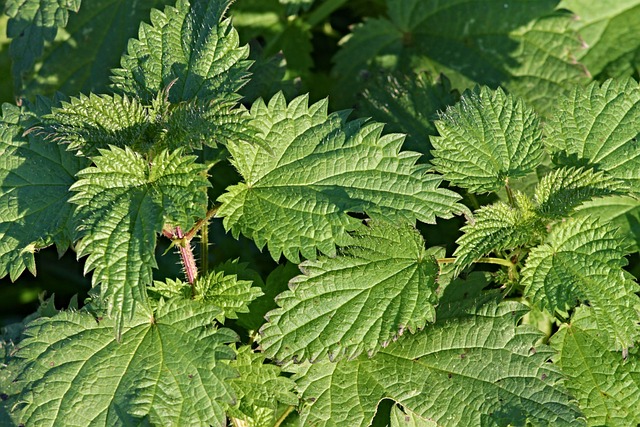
(606, 386)
(583, 260)
(123, 203)
(297, 196)
(408, 104)
(562, 190)
(497, 227)
(486, 139)
(607, 32)
(35, 176)
(218, 288)
(623, 212)
(32, 23)
(189, 47)
(471, 370)
(167, 369)
(523, 46)
(361, 300)
(259, 389)
(598, 126)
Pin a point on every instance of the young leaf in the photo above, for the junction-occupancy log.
(598, 126)
(522, 46)
(497, 227)
(486, 139)
(187, 45)
(167, 369)
(623, 212)
(35, 176)
(90, 123)
(583, 260)
(408, 104)
(32, 23)
(563, 189)
(296, 198)
(606, 386)
(121, 201)
(382, 285)
(259, 389)
(217, 288)
(478, 369)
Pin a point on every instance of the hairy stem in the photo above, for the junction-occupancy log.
(188, 260)
(512, 199)
(210, 214)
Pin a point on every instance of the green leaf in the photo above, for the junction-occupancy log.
(487, 139)
(606, 386)
(123, 203)
(277, 282)
(189, 48)
(408, 418)
(81, 57)
(361, 300)
(478, 369)
(35, 176)
(90, 123)
(607, 29)
(583, 260)
(259, 389)
(408, 104)
(498, 227)
(218, 288)
(93, 122)
(295, 6)
(166, 369)
(522, 46)
(598, 126)
(623, 212)
(32, 23)
(562, 190)
(297, 196)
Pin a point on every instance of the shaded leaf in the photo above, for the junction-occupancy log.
(35, 176)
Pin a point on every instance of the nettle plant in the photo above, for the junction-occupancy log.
(531, 321)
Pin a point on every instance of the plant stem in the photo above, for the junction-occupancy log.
(204, 247)
(484, 260)
(284, 416)
(210, 214)
(323, 11)
(188, 260)
(510, 196)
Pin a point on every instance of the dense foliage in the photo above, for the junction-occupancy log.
(460, 250)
